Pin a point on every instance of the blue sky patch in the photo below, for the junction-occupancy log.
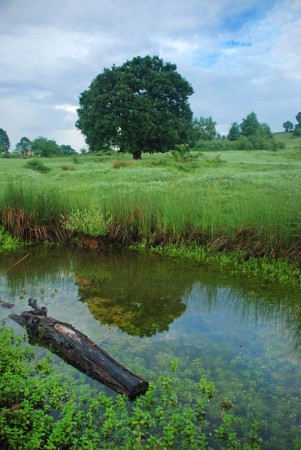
(206, 60)
(235, 22)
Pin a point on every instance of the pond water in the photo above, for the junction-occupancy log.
(144, 307)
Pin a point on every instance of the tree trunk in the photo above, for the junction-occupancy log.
(77, 349)
(137, 154)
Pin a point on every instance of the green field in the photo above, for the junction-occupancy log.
(244, 198)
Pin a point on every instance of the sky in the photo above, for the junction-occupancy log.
(239, 55)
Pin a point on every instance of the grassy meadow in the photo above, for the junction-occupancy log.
(231, 199)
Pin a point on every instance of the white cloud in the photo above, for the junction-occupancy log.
(68, 108)
(238, 56)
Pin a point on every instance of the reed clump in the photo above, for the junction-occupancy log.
(33, 214)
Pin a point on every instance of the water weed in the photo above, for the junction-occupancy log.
(39, 409)
(7, 242)
(236, 262)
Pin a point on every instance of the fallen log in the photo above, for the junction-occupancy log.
(77, 349)
(6, 305)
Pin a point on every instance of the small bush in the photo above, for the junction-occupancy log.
(38, 166)
(7, 242)
(89, 223)
(182, 153)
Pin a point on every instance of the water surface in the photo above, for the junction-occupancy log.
(143, 308)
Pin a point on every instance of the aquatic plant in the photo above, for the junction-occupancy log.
(40, 409)
(236, 262)
(7, 241)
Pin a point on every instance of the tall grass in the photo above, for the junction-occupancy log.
(251, 198)
(183, 213)
(32, 212)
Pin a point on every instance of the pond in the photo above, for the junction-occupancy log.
(147, 310)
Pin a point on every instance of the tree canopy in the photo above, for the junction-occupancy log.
(67, 150)
(297, 129)
(234, 132)
(205, 128)
(288, 126)
(250, 125)
(4, 141)
(23, 145)
(42, 146)
(140, 106)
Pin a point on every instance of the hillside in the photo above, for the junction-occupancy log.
(291, 142)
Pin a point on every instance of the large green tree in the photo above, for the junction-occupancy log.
(4, 141)
(140, 106)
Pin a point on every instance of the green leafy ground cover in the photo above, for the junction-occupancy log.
(40, 409)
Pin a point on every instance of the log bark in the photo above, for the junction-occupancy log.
(6, 305)
(77, 349)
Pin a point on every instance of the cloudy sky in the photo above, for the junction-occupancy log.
(239, 55)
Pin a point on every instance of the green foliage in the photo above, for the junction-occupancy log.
(204, 129)
(37, 165)
(183, 154)
(280, 270)
(297, 131)
(67, 150)
(207, 387)
(4, 141)
(87, 222)
(140, 106)
(234, 132)
(42, 146)
(288, 126)
(24, 145)
(259, 141)
(250, 125)
(40, 409)
(7, 242)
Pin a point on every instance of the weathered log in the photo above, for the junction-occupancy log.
(6, 305)
(80, 351)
